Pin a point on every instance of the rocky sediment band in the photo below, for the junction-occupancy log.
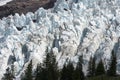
(24, 6)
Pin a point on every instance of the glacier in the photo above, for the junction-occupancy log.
(71, 28)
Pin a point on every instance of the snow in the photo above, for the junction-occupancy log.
(3, 2)
(74, 27)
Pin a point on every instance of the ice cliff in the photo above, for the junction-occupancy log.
(71, 28)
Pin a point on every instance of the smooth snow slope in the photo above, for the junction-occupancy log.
(3, 2)
(71, 28)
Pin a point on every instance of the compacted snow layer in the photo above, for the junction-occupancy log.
(71, 28)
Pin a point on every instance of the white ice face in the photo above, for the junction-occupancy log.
(71, 28)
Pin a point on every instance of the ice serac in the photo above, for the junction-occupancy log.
(71, 28)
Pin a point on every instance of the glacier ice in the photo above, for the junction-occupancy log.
(71, 28)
